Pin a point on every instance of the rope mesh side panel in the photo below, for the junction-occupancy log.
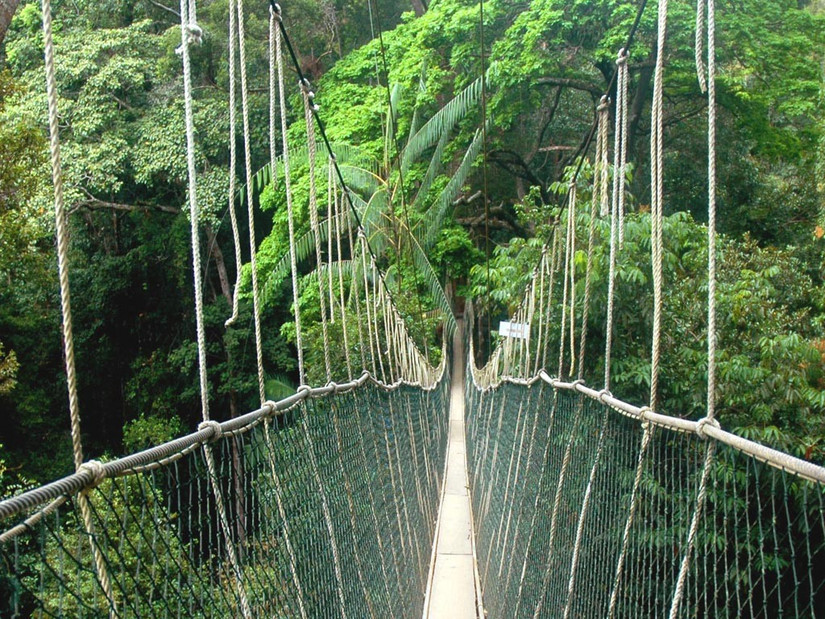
(759, 549)
(158, 530)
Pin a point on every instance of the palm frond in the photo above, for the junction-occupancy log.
(425, 268)
(442, 122)
(357, 167)
(428, 229)
(304, 250)
(278, 387)
(432, 171)
(415, 123)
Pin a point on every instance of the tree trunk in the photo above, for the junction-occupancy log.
(7, 9)
(220, 263)
(639, 99)
(420, 7)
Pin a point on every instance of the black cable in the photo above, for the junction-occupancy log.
(305, 84)
(592, 132)
(394, 136)
(488, 305)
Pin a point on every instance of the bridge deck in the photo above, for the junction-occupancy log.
(453, 591)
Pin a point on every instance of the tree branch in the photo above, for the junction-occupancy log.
(564, 82)
(165, 8)
(94, 204)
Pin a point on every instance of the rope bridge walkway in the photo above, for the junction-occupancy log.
(569, 503)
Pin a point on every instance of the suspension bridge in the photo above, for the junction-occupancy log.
(403, 487)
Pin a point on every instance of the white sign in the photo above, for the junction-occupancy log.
(520, 330)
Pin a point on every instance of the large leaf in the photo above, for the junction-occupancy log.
(442, 122)
(425, 268)
(432, 171)
(427, 231)
(304, 250)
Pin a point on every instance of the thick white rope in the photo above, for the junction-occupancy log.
(309, 104)
(656, 197)
(617, 203)
(367, 302)
(253, 250)
(598, 200)
(541, 326)
(330, 235)
(572, 224)
(569, 269)
(296, 294)
(555, 251)
(602, 170)
(634, 500)
(710, 417)
(699, 51)
(60, 218)
(356, 295)
(191, 33)
(233, 159)
(338, 214)
(711, 209)
(622, 93)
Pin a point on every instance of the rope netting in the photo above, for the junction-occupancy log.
(368, 460)
(553, 473)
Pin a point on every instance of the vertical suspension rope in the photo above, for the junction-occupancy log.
(233, 160)
(598, 201)
(656, 180)
(710, 417)
(256, 311)
(309, 104)
(330, 234)
(569, 250)
(602, 172)
(356, 295)
(487, 308)
(296, 294)
(338, 214)
(711, 209)
(190, 33)
(60, 217)
(618, 195)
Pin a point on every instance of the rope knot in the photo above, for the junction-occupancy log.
(622, 57)
(304, 388)
(194, 35)
(217, 431)
(604, 103)
(700, 428)
(275, 10)
(273, 408)
(604, 393)
(333, 385)
(643, 413)
(96, 470)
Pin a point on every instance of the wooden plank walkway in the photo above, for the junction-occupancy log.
(453, 591)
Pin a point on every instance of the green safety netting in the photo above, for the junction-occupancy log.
(331, 505)
(552, 474)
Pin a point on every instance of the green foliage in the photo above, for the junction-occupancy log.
(145, 432)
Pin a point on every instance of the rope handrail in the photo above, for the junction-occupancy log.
(85, 478)
(768, 455)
